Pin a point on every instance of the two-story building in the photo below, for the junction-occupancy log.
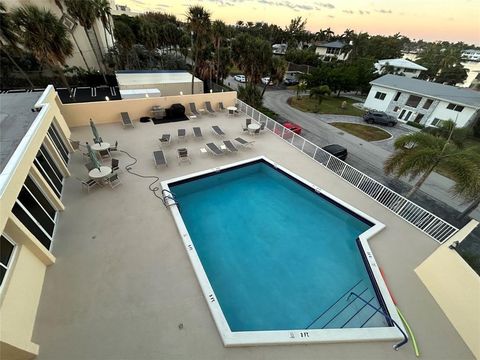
(331, 51)
(424, 102)
(399, 67)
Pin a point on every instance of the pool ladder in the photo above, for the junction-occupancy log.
(168, 198)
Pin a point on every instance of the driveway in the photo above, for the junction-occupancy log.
(368, 157)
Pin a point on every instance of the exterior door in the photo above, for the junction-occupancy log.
(405, 115)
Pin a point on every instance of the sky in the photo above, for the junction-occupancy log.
(430, 20)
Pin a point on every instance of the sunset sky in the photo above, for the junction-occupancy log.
(426, 19)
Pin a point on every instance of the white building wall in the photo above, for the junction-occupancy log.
(377, 104)
(441, 112)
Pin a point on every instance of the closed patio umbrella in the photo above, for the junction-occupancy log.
(93, 157)
(97, 137)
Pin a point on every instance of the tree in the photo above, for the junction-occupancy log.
(250, 94)
(8, 36)
(104, 10)
(45, 37)
(319, 92)
(125, 40)
(301, 87)
(295, 31)
(149, 37)
(278, 67)
(198, 22)
(443, 62)
(219, 30)
(252, 55)
(420, 153)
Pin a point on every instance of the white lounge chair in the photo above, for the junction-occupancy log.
(159, 158)
(244, 142)
(229, 146)
(126, 121)
(214, 149)
(217, 131)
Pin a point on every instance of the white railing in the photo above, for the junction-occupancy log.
(425, 221)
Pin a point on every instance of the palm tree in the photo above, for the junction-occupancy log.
(301, 87)
(104, 12)
(421, 153)
(198, 20)
(320, 92)
(45, 36)
(9, 37)
(149, 37)
(84, 11)
(278, 67)
(252, 55)
(125, 41)
(219, 30)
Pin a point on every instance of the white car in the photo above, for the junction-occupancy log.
(240, 78)
(266, 80)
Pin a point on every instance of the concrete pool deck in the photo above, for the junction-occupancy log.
(123, 287)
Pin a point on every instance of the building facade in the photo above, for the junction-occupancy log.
(331, 51)
(426, 103)
(399, 67)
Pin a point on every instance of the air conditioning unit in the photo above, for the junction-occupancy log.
(68, 22)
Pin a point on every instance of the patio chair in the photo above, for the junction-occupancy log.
(262, 126)
(115, 165)
(181, 134)
(87, 183)
(193, 109)
(183, 155)
(75, 144)
(104, 154)
(159, 158)
(113, 180)
(214, 149)
(220, 106)
(165, 139)
(90, 166)
(217, 131)
(257, 131)
(244, 127)
(209, 108)
(114, 147)
(229, 145)
(197, 132)
(126, 121)
(248, 121)
(244, 142)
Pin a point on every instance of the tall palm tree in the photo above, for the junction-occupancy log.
(252, 55)
(278, 67)
(219, 30)
(419, 154)
(104, 12)
(84, 11)
(198, 20)
(9, 37)
(45, 37)
(149, 37)
(320, 92)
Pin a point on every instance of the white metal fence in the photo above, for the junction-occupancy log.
(430, 224)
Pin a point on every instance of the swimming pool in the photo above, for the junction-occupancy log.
(277, 257)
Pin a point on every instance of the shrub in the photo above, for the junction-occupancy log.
(415, 124)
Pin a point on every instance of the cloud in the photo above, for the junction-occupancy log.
(383, 11)
(324, 5)
(348, 11)
(331, 16)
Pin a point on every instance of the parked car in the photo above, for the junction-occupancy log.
(336, 150)
(297, 129)
(379, 117)
(240, 78)
(266, 80)
(290, 81)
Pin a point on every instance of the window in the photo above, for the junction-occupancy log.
(413, 101)
(380, 95)
(437, 122)
(58, 143)
(49, 170)
(455, 107)
(418, 118)
(6, 254)
(427, 104)
(397, 96)
(396, 108)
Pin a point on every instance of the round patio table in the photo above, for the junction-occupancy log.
(101, 146)
(253, 127)
(100, 174)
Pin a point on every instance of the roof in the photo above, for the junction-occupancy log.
(126, 78)
(16, 117)
(401, 63)
(334, 44)
(466, 97)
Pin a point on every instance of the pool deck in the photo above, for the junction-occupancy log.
(122, 283)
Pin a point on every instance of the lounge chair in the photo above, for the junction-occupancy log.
(230, 147)
(220, 106)
(126, 121)
(87, 183)
(113, 180)
(193, 109)
(214, 149)
(159, 158)
(217, 131)
(244, 142)
(165, 139)
(115, 165)
(183, 155)
(181, 134)
(209, 108)
(197, 132)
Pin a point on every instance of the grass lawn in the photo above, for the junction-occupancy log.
(365, 132)
(329, 105)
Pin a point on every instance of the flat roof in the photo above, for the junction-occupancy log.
(126, 78)
(435, 90)
(402, 63)
(16, 117)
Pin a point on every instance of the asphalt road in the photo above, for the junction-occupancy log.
(368, 157)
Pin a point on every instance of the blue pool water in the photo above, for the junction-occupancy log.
(277, 254)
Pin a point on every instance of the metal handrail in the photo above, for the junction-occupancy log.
(405, 338)
(422, 219)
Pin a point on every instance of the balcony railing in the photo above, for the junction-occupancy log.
(425, 221)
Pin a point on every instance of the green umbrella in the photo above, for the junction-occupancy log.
(98, 139)
(93, 157)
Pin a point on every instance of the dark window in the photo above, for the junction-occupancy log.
(380, 95)
(397, 96)
(36, 210)
(49, 170)
(58, 142)
(455, 107)
(451, 106)
(427, 104)
(38, 194)
(437, 122)
(6, 251)
(413, 101)
(31, 225)
(418, 118)
(401, 114)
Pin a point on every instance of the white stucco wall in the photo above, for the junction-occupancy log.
(441, 112)
(377, 104)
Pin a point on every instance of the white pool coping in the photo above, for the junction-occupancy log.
(249, 338)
